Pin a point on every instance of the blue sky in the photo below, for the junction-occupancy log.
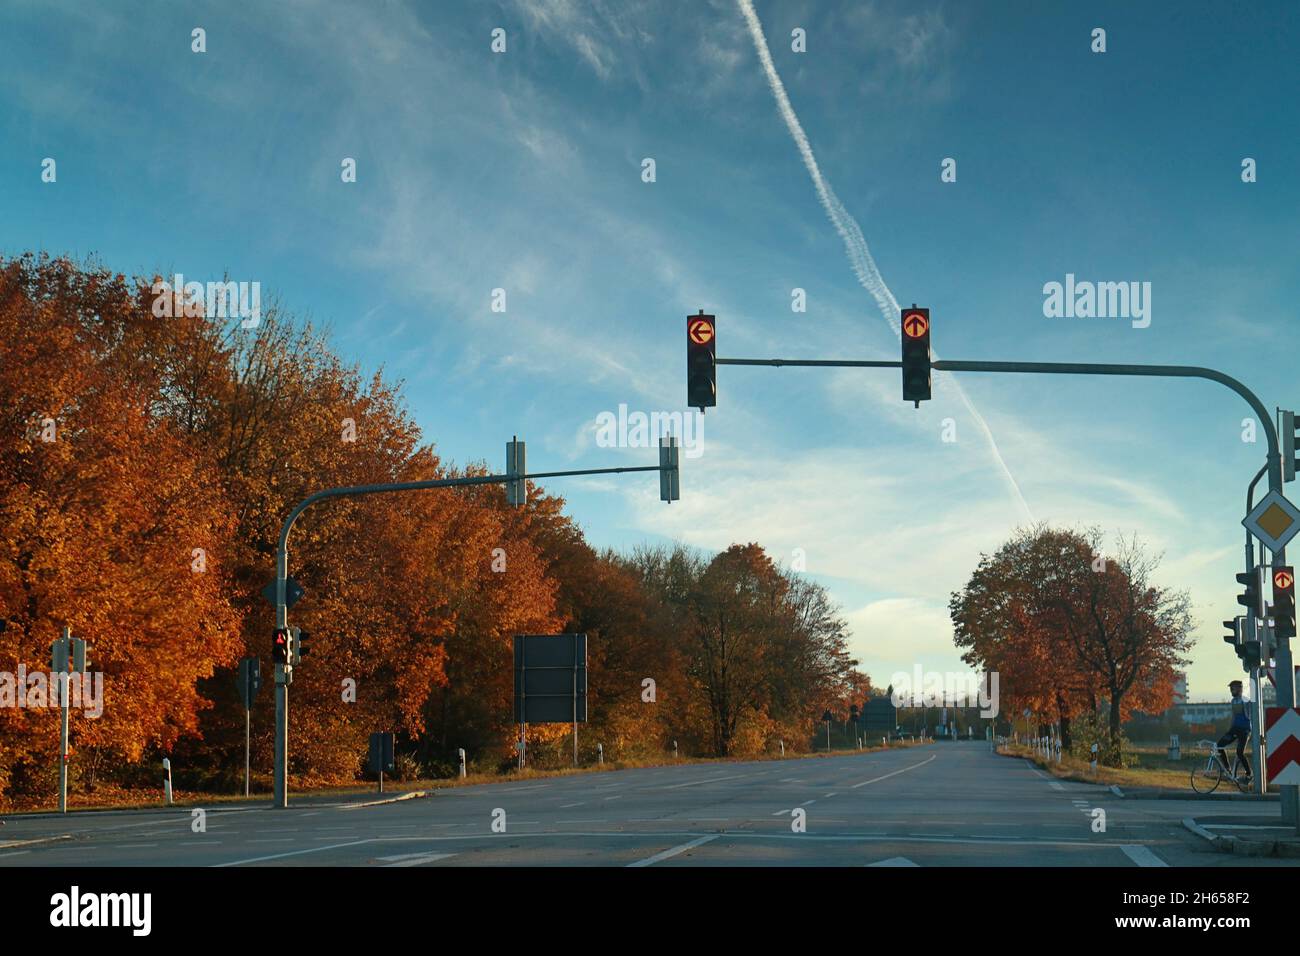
(522, 170)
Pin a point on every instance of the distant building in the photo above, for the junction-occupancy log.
(1180, 689)
(1205, 713)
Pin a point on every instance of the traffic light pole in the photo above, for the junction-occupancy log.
(284, 672)
(1285, 673)
(1255, 627)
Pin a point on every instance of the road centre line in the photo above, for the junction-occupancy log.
(696, 783)
(894, 774)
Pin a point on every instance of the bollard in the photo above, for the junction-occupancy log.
(460, 755)
(1094, 758)
(674, 750)
(600, 753)
(1175, 749)
(783, 748)
(859, 743)
(167, 781)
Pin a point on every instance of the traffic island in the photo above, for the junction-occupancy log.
(1245, 836)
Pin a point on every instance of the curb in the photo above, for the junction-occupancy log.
(411, 795)
(1242, 847)
(1189, 795)
(11, 844)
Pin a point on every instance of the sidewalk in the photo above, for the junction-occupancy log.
(1246, 836)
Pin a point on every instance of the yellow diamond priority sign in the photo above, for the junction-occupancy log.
(1275, 521)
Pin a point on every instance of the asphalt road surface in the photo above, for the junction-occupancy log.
(946, 804)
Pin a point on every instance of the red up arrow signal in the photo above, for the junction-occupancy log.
(915, 325)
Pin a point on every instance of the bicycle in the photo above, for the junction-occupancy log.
(1207, 779)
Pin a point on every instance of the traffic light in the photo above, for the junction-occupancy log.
(1283, 601)
(701, 361)
(1233, 636)
(280, 645)
(670, 481)
(300, 649)
(916, 355)
(516, 464)
(1290, 442)
(1252, 597)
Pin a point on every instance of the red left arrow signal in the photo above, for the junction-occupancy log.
(701, 331)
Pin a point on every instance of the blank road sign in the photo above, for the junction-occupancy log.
(550, 678)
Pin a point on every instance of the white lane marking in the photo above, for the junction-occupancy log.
(894, 774)
(673, 851)
(275, 840)
(18, 853)
(831, 794)
(314, 813)
(894, 861)
(696, 783)
(136, 846)
(617, 796)
(780, 813)
(790, 780)
(414, 859)
(280, 856)
(355, 835)
(806, 802)
(567, 806)
(1055, 786)
(1141, 855)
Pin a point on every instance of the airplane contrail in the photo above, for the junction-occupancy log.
(855, 245)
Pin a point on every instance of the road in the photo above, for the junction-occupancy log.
(943, 804)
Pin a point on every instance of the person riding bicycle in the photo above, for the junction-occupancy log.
(1239, 730)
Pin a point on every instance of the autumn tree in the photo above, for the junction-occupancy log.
(1067, 627)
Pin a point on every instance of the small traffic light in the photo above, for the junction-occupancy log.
(300, 649)
(916, 355)
(1233, 636)
(670, 487)
(701, 361)
(1283, 601)
(1290, 442)
(250, 680)
(1252, 598)
(516, 464)
(280, 645)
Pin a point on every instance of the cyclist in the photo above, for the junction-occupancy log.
(1239, 730)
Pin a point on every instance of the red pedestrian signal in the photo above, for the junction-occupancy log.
(280, 645)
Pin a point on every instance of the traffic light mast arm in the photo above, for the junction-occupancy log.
(1274, 465)
(282, 550)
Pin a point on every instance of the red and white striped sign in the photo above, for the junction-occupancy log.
(1283, 734)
